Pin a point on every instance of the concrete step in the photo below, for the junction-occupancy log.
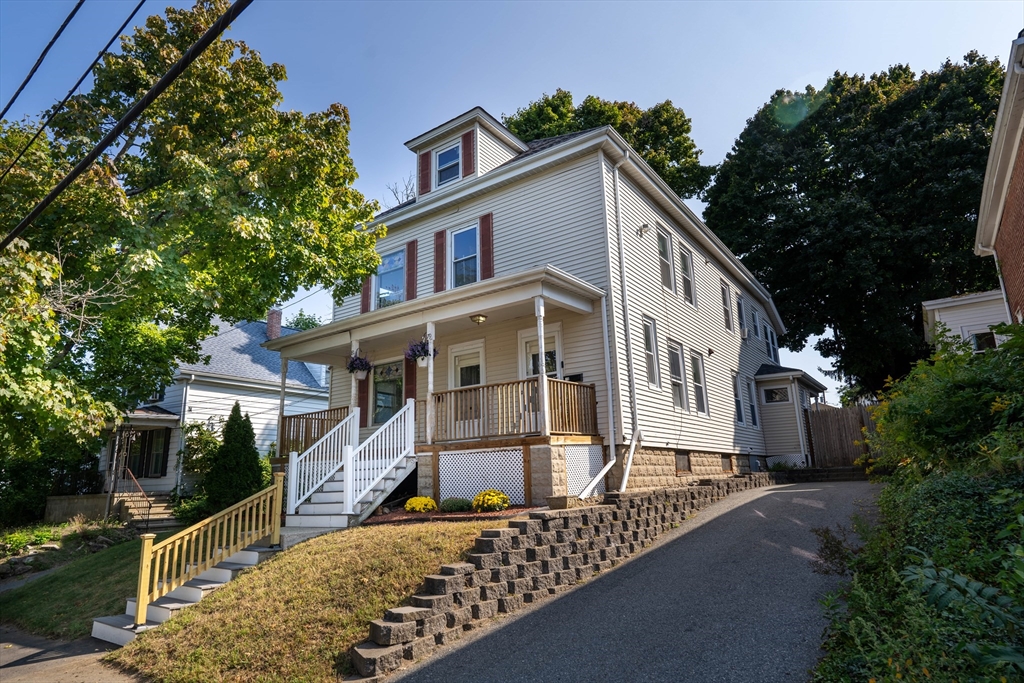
(195, 590)
(333, 485)
(322, 509)
(160, 610)
(119, 629)
(223, 571)
(309, 520)
(328, 497)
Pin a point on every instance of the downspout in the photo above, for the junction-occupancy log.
(608, 375)
(1002, 284)
(181, 430)
(625, 293)
(799, 422)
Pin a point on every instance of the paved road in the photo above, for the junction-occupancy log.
(25, 658)
(729, 596)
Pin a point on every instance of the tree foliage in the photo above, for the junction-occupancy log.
(235, 472)
(855, 203)
(303, 321)
(215, 202)
(660, 134)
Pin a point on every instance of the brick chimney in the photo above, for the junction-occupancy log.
(273, 323)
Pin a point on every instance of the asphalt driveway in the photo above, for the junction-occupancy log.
(729, 596)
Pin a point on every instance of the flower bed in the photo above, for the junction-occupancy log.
(399, 516)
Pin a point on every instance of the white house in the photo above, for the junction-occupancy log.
(970, 317)
(239, 369)
(573, 250)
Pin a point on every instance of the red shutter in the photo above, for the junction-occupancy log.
(440, 237)
(487, 246)
(410, 379)
(364, 303)
(363, 393)
(468, 153)
(410, 270)
(424, 173)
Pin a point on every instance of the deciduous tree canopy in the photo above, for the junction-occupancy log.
(855, 203)
(216, 202)
(660, 134)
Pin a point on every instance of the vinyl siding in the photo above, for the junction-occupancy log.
(491, 152)
(970, 317)
(780, 426)
(697, 329)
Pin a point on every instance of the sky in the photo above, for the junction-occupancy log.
(402, 68)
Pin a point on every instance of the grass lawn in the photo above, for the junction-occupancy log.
(64, 603)
(295, 617)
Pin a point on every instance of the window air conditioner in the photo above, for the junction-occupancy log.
(744, 333)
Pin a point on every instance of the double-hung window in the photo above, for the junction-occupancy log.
(700, 389)
(651, 351)
(390, 280)
(755, 320)
(675, 372)
(448, 165)
(727, 305)
(665, 261)
(752, 400)
(465, 261)
(741, 313)
(686, 265)
(737, 399)
(771, 344)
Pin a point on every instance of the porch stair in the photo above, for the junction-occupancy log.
(120, 629)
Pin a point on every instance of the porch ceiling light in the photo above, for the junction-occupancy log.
(478, 318)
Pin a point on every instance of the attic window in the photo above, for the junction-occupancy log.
(448, 165)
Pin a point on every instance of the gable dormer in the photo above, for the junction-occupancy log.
(467, 146)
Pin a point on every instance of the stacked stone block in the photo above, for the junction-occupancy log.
(531, 560)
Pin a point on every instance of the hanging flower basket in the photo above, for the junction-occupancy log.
(359, 366)
(419, 352)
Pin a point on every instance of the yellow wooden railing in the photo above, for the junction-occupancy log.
(187, 554)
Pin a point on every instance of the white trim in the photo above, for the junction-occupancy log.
(962, 300)
(477, 114)
(465, 347)
(737, 400)
(699, 357)
(375, 284)
(654, 382)
(753, 402)
(728, 315)
(371, 394)
(660, 232)
(680, 351)
(789, 395)
(450, 256)
(523, 337)
(438, 151)
(686, 252)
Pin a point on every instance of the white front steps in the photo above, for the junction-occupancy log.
(120, 629)
(326, 507)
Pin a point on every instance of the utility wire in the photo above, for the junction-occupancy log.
(56, 110)
(135, 112)
(42, 56)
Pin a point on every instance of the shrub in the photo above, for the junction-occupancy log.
(456, 505)
(420, 504)
(235, 473)
(491, 500)
(192, 510)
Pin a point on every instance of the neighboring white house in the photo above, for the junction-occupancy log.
(239, 369)
(970, 317)
(570, 249)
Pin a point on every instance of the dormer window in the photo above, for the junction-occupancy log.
(448, 165)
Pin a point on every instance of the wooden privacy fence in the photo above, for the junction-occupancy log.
(837, 436)
(187, 554)
(299, 432)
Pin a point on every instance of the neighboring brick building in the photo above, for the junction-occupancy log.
(1001, 217)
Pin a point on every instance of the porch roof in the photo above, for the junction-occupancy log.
(770, 372)
(511, 295)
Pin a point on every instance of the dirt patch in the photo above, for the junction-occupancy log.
(403, 517)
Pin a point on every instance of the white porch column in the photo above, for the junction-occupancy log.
(428, 416)
(542, 376)
(353, 399)
(280, 408)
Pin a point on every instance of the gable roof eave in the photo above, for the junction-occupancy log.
(493, 126)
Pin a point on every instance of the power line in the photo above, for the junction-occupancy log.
(42, 56)
(135, 112)
(56, 110)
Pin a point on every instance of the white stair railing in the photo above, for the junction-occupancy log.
(318, 463)
(367, 464)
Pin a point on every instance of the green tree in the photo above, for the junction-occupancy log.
(216, 202)
(660, 134)
(855, 203)
(303, 321)
(235, 472)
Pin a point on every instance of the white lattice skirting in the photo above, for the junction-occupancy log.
(463, 474)
(582, 463)
(794, 460)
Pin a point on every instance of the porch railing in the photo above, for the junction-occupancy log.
(487, 411)
(187, 554)
(573, 407)
(129, 492)
(299, 432)
(307, 471)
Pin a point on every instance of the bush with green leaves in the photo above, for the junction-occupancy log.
(456, 505)
(235, 473)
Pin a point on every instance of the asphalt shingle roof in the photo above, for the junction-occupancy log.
(235, 351)
(770, 369)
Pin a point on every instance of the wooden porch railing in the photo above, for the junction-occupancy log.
(299, 432)
(513, 409)
(187, 554)
(573, 407)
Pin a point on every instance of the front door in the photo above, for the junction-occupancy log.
(468, 406)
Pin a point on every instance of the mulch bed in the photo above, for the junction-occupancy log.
(402, 517)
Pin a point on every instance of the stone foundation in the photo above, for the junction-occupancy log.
(531, 560)
(660, 467)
